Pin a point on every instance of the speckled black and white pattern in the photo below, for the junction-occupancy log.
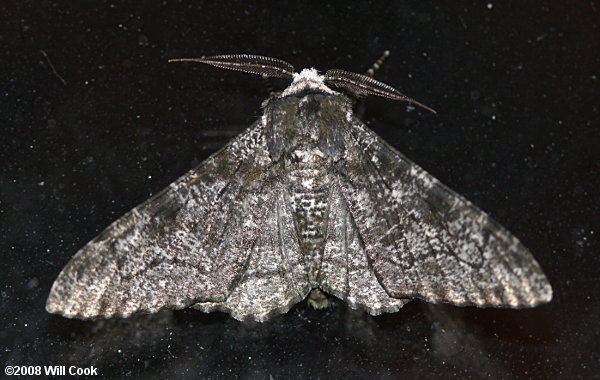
(308, 197)
(425, 241)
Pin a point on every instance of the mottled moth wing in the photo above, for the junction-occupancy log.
(275, 276)
(345, 269)
(191, 244)
(423, 240)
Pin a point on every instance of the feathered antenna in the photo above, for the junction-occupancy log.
(253, 64)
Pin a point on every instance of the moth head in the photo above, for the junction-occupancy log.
(307, 79)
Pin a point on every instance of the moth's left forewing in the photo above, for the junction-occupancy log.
(190, 243)
(426, 241)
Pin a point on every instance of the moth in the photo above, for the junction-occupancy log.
(307, 200)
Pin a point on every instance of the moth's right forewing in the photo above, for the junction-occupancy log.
(426, 241)
(187, 244)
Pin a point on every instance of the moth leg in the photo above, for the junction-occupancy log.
(377, 64)
(268, 84)
(361, 107)
(318, 300)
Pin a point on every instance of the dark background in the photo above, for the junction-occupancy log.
(93, 120)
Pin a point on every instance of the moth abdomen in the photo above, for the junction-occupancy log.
(309, 187)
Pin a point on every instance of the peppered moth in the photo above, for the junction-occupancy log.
(306, 199)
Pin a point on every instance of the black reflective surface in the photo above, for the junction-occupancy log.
(94, 120)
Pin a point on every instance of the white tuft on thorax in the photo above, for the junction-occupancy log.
(307, 79)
